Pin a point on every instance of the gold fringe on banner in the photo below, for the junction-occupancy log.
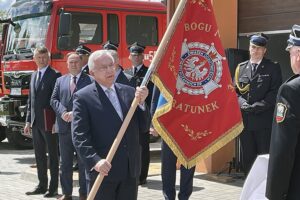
(212, 148)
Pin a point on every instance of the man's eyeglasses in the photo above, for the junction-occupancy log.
(105, 68)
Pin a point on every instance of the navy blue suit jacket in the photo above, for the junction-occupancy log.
(62, 100)
(96, 124)
(39, 98)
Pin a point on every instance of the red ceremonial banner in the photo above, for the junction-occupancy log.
(202, 113)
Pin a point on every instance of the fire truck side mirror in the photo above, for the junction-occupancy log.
(65, 23)
(17, 28)
(65, 31)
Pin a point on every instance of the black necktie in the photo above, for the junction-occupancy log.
(254, 67)
(135, 71)
(38, 79)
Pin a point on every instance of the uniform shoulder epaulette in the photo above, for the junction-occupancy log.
(242, 64)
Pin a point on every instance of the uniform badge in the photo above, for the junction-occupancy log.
(200, 69)
(281, 111)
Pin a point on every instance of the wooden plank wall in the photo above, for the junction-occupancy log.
(267, 15)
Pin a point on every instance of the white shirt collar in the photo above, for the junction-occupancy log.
(77, 76)
(138, 67)
(105, 88)
(43, 70)
(256, 62)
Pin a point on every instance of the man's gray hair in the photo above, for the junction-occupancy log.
(41, 49)
(97, 54)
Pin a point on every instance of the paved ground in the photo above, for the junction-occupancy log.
(16, 177)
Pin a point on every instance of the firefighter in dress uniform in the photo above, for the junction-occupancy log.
(257, 81)
(135, 75)
(84, 52)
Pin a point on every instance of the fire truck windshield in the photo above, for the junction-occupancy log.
(32, 31)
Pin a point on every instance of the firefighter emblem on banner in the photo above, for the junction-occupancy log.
(200, 69)
(196, 91)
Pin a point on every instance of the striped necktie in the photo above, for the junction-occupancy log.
(73, 84)
(112, 96)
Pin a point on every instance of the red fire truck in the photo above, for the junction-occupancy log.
(61, 25)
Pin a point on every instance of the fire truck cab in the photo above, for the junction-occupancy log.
(61, 25)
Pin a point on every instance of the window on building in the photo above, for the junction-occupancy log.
(86, 28)
(141, 29)
(113, 28)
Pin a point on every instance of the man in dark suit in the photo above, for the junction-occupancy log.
(257, 81)
(84, 52)
(62, 104)
(168, 164)
(135, 75)
(98, 112)
(284, 164)
(120, 77)
(41, 87)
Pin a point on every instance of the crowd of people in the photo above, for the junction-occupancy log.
(92, 100)
(82, 127)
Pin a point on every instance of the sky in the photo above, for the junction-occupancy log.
(4, 4)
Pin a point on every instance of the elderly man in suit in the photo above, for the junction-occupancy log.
(41, 87)
(62, 104)
(98, 112)
(284, 165)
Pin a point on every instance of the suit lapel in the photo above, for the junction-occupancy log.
(81, 81)
(142, 71)
(97, 90)
(105, 101)
(260, 67)
(67, 84)
(44, 78)
(33, 82)
(248, 70)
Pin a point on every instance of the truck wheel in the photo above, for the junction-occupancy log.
(2, 133)
(18, 140)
